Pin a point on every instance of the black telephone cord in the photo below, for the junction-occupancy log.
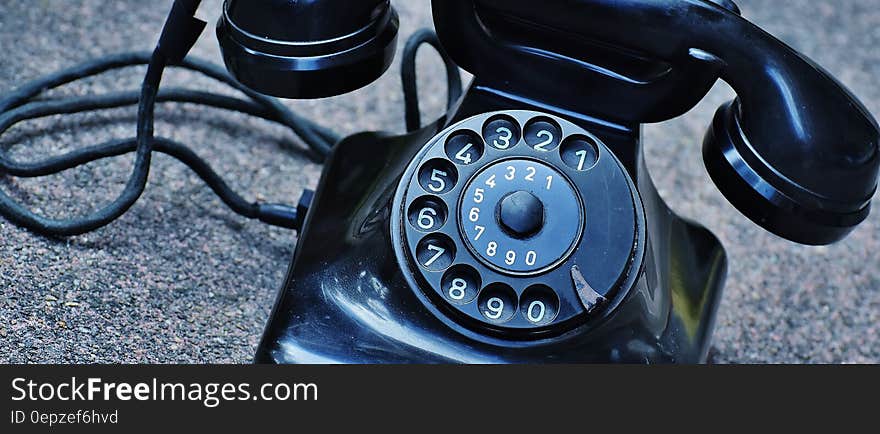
(21, 105)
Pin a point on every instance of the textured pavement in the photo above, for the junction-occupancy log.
(182, 279)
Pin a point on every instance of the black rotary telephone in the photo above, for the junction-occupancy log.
(523, 226)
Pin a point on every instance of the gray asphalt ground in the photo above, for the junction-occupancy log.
(182, 279)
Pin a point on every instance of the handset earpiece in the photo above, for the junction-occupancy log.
(307, 49)
(795, 152)
(813, 187)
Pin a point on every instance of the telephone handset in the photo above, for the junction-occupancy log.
(523, 226)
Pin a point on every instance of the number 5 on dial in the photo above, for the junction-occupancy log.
(479, 195)
(438, 181)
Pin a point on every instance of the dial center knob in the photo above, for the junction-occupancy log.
(521, 214)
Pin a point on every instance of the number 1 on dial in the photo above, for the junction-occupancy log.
(583, 158)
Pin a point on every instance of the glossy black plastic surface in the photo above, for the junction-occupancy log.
(346, 300)
(310, 49)
(303, 21)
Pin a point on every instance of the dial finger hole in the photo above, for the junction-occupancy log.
(501, 132)
(580, 153)
(539, 305)
(464, 147)
(428, 213)
(543, 134)
(435, 252)
(461, 284)
(497, 303)
(438, 176)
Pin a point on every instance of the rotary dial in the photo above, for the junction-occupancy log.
(517, 223)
